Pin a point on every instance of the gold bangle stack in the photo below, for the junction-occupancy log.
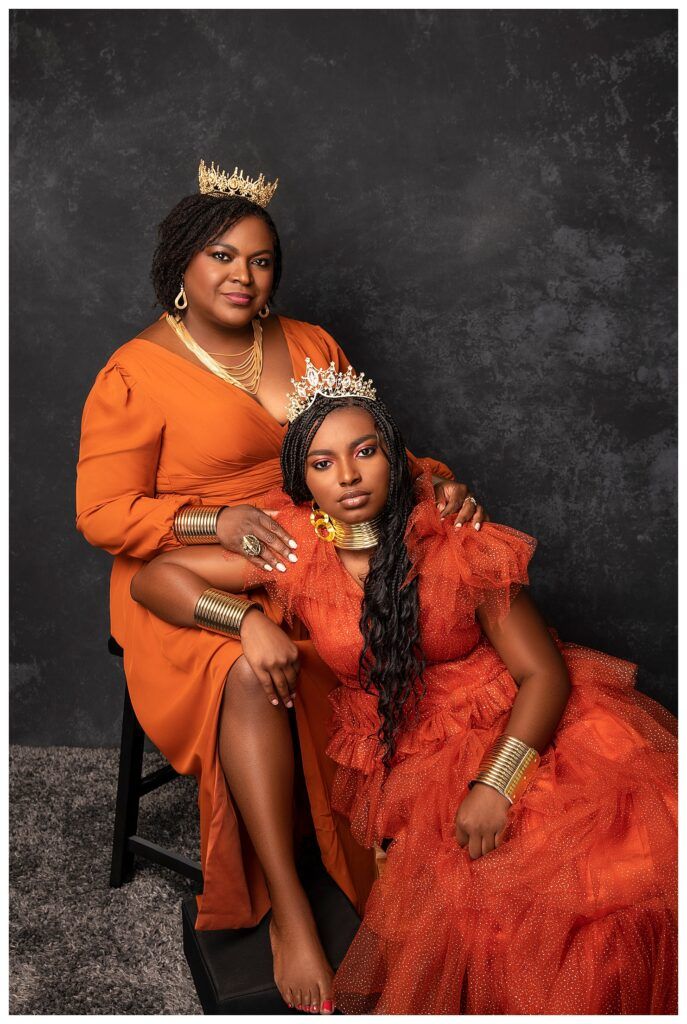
(508, 767)
(197, 524)
(221, 613)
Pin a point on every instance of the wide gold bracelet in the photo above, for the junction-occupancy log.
(508, 766)
(222, 613)
(197, 524)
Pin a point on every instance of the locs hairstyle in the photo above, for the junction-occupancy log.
(194, 222)
(391, 661)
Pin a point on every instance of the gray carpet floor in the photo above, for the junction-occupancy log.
(76, 945)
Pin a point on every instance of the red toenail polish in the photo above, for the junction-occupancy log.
(327, 1006)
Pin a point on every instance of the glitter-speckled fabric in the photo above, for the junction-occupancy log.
(576, 911)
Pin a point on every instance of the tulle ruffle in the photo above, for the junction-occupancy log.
(467, 568)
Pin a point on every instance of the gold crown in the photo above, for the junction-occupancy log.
(329, 382)
(213, 181)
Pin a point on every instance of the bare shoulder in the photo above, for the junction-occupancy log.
(159, 333)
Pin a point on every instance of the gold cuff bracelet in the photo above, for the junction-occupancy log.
(508, 767)
(222, 613)
(197, 524)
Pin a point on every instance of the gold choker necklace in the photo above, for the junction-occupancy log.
(352, 536)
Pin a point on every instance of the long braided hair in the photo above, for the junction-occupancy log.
(194, 222)
(391, 661)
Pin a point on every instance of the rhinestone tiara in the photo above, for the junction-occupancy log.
(329, 382)
(213, 181)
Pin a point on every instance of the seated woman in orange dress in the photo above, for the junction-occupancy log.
(180, 441)
(526, 788)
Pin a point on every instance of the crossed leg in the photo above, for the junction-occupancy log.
(256, 755)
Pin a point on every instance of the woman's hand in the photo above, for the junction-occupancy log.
(452, 497)
(271, 655)
(480, 819)
(238, 521)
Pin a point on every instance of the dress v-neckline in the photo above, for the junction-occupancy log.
(208, 373)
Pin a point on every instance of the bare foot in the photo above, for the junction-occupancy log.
(301, 970)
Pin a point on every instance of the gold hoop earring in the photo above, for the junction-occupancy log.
(265, 314)
(181, 302)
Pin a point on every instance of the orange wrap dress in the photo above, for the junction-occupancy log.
(576, 910)
(159, 432)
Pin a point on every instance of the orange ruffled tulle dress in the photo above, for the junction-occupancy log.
(576, 910)
(160, 432)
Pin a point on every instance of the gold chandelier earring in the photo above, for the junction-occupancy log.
(181, 302)
(264, 312)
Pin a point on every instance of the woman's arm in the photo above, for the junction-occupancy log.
(170, 586)
(525, 646)
(117, 508)
(121, 436)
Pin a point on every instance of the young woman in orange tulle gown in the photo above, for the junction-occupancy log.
(524, 789)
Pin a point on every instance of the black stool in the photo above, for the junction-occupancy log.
(132, 785)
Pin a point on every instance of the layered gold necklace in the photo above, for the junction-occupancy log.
(246, 369)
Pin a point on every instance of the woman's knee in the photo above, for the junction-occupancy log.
(242, 683)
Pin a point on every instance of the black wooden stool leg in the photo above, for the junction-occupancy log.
(128, 794)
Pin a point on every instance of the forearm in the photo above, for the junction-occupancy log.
(132, 524)
(170, 585)
(538, 707)
(169, 591)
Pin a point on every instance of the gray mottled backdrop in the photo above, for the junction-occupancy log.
(479, 206)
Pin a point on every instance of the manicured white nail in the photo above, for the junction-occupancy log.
(289, 703)
(275, 702)
(267, 567)
(292, 544)
(477, 526)
(458, 525)
(293, 558)
(281, 567)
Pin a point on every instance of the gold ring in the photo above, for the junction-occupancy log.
(250, 545)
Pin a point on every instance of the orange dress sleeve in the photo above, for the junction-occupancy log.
(418, 465)
(467, 569)
(121, 437)
(421, 464)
